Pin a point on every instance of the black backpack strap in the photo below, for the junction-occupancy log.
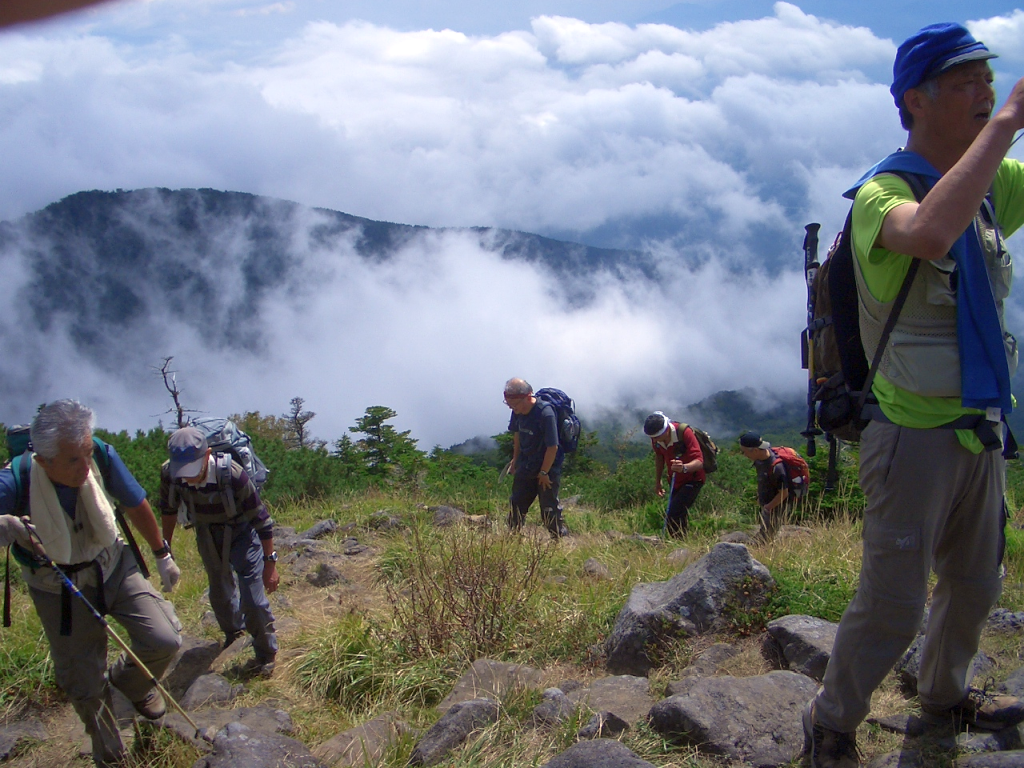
(102, 459)
(7, 590)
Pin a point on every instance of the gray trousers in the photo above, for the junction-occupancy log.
(80, 660)
(931, 504)
(237, 596)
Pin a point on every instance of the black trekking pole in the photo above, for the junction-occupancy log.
(807, 337)
(832, 473)
(70, 586)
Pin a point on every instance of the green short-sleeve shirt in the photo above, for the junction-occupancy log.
(884, 271)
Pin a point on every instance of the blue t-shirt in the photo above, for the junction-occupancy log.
(122, 486)
(538, 431)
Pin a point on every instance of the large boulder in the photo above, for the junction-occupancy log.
(363, 744)
(690, 603)
(755, 720)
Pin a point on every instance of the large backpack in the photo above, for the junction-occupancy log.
(798, 474)
(565, 410)
(842, 375)
(227, 443)
(708, 448)
(224, 436)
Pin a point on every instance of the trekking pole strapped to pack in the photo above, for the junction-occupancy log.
(807, 346)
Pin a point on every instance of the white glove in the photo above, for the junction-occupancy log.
(16, 529)
(169, 572)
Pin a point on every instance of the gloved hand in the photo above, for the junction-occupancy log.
(169, 572)
(16, 529)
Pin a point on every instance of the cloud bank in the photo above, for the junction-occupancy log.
(712, 149)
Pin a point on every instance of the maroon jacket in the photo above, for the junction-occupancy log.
(687, 449)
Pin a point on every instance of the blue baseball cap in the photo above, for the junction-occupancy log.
(931, 51)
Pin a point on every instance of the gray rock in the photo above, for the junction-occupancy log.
(1014, 759)
(263, 718)
(208, 690)
(624, 696)
(601, 753)
(237, 744)
(907, 758)
(800, 643)
(603, 724)
(491, 679)
(363, 744)
(984, 741)
(555, 709)
(653, 541)
(193, 660)
(351, 547)
(325, 575)
(1006, 621)
(753, 719)
(454, 727)
(445, 516)
(17, 735)
(597, 569)
(907, 725)
(1014, 684)
(382, 520)
(319, 530)
(690, 603)
(909, 665)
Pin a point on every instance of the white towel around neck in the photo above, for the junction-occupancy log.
(53, 525)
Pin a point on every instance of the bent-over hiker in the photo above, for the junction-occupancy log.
(235, 537)
(67, 488)
(776, 493)
(676, 449)
(536, 466)
(931, 458)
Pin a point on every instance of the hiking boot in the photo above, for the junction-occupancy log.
(828, 749)
(258, 668)
(979, 709)
(153, 707)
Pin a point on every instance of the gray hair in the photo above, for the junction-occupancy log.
(929, 88)
(518, 387)
(62, 421)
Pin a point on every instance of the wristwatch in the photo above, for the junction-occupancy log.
(542, 472)
(271, 558)
(164, 550)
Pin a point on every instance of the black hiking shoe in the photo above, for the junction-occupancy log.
(979, 709)
(828, 749)
(258, 668)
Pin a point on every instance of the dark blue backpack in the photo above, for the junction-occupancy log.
(565, 411)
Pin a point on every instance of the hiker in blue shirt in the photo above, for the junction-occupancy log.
(536, 466)
(66, 500)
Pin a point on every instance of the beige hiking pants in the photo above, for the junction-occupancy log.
(931, 504)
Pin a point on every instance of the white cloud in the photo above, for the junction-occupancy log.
(722, 143)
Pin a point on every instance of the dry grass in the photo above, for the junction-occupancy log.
(568, 614)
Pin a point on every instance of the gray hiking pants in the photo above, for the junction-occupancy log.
(931, 504)
(80, 660)
(245, 603)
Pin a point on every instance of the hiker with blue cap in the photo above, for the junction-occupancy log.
(929, 224)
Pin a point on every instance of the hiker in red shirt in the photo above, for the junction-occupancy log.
(675, 447)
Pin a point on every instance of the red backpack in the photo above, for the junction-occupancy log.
(796, 469)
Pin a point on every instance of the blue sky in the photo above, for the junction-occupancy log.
(707, 132)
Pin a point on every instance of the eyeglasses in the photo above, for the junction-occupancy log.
(509, 397)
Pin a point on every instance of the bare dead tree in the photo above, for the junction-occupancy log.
(297, 419)
(171, 384)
